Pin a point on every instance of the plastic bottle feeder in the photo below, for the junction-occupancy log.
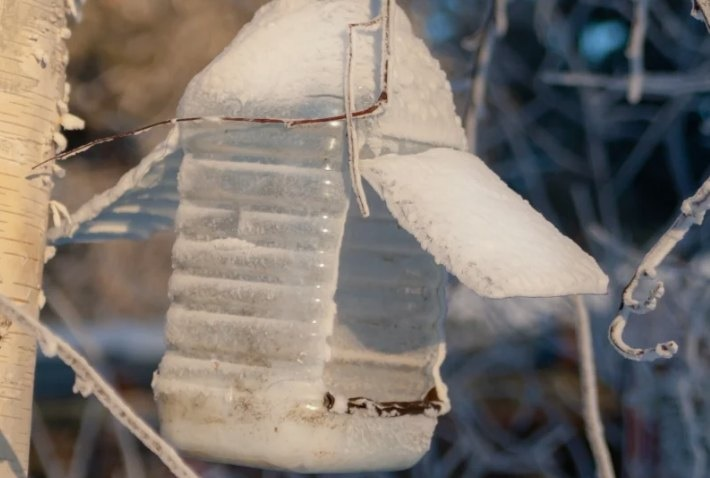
(302, 335)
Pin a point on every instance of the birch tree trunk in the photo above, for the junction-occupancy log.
(32, 94)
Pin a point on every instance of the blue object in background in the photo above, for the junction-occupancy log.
(599, 40)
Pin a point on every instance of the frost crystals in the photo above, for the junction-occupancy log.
(692, 212)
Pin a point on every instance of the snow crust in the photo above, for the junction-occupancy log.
(279, 65)
(480, 229)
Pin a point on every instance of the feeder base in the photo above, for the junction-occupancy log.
(283, 432)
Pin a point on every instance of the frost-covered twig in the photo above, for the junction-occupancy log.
(88, 381)
(590, 403)
(635, 51)
(692, 212)
(93, 208)
(59, 213)
(353, 152)
(384, 20)
(68, 313)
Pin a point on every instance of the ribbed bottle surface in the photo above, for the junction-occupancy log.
(390, 304)
(282, 292)
(255, 262)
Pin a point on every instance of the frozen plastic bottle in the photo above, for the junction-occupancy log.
(286, 303)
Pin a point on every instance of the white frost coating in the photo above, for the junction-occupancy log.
(340, 404)
(590, 393)
(257, 264)
(60, 213)
(49, 253)
(60, 141)
(57, 170)
(49, 345)
(243, 81)
(693, 212)
(71, 122)
(481, 230)
(62, 107)
(230, 243)
(151, 187)
(82, 387)
(41, 299)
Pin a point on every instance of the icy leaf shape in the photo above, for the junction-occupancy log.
(480, 229)
(142, 202)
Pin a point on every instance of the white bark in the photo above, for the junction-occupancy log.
(32, 78)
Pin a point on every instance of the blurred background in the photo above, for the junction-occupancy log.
(553, 118)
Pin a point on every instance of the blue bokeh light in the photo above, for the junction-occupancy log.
(599, 40)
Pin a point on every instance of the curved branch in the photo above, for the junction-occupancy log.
(692, 212)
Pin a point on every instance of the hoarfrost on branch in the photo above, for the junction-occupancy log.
(692, 212)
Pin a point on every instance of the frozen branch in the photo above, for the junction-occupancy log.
(384, 20)
(70, 316)
(590, 402)
(635, 51)
(88, 381)
(129, 181)
(692, 212)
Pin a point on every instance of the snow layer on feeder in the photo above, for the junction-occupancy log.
(302, 336)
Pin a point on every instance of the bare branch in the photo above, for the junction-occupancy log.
(692, 212)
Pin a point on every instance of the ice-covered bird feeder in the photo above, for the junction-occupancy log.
(303, 335)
